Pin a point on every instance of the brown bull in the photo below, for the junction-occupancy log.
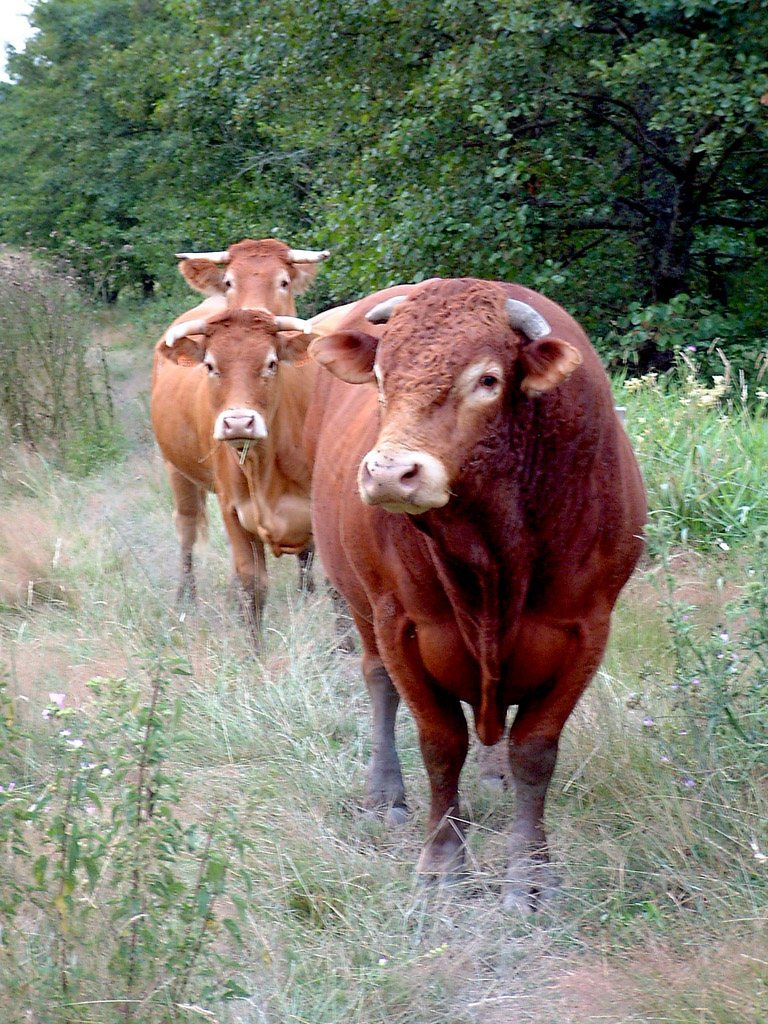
(247, 403)
(251, 274)
(477, 502)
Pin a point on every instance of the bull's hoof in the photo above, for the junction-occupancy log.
(494, 781)
(442, 862)
(529, 885)
(392, 814)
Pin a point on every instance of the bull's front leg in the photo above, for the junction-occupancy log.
(385, 790)
(533, 743)
(443, 739)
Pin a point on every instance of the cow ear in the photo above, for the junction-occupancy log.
(547, 362)
(291, 346)
(185, 343)
(302, 276)
(203, 276)
(349, 355)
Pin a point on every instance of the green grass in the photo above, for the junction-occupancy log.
(661, 914)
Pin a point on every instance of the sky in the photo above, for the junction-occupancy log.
(14, 27)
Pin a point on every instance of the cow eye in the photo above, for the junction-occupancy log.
(271, 366)
(212, 371)
(489, 381)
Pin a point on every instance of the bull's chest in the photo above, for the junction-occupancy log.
(432, 650)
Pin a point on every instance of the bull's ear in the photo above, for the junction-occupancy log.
(349, 355)
(203, 275)
(547, 362)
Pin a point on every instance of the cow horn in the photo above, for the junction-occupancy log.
(307, 255)
(214, 257)
(293, 323)
(184, 329)
(525, 318)
(381, 313)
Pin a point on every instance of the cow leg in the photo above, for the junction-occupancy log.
(189, 518)
(385, 790)
(533, 743)
(250, 567)
(306, 578)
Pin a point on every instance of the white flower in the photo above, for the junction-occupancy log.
(57, 699)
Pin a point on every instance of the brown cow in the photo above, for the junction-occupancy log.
(246, 403)
(478, 504)
(251, 274)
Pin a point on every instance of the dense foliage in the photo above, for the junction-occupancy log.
(612, 154)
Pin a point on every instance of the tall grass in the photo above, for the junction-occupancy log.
(222, 870)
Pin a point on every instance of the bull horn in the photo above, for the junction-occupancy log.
(293, 323)
(184, 330)
(307, 255)
(380, 314)
(214, 257)
(523, 317)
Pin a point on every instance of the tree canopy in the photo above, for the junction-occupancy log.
(612, 154)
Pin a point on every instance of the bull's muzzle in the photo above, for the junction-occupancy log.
(402, 480)
(234, 425)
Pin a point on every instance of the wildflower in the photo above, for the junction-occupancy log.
(724, 637)
(689, 783)
(46, 712)
(722, 545)
(690, 348)
(57, 699)
(696, 681)
(65, 732)
(648, 722)
(75, 744)
(105, 772)
(382, 961)
(665, 759)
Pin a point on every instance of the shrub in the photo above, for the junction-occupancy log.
(54, 386)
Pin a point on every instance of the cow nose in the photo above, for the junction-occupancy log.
(240, 425)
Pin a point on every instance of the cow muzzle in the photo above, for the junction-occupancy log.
(401, 480)
(239, 425)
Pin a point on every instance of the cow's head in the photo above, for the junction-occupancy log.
(253, 275)
(450, 365)
(241, 351)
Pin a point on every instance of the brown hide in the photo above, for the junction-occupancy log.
(480, 514)
(262, 483)
(257, 275)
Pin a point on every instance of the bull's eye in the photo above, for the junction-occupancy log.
(212, 371)
(270, 367)
(489, 381)
(228, 283)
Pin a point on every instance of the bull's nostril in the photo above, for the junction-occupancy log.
(411, 473)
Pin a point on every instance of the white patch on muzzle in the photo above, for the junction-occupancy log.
(233, 425)
(403, 480)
